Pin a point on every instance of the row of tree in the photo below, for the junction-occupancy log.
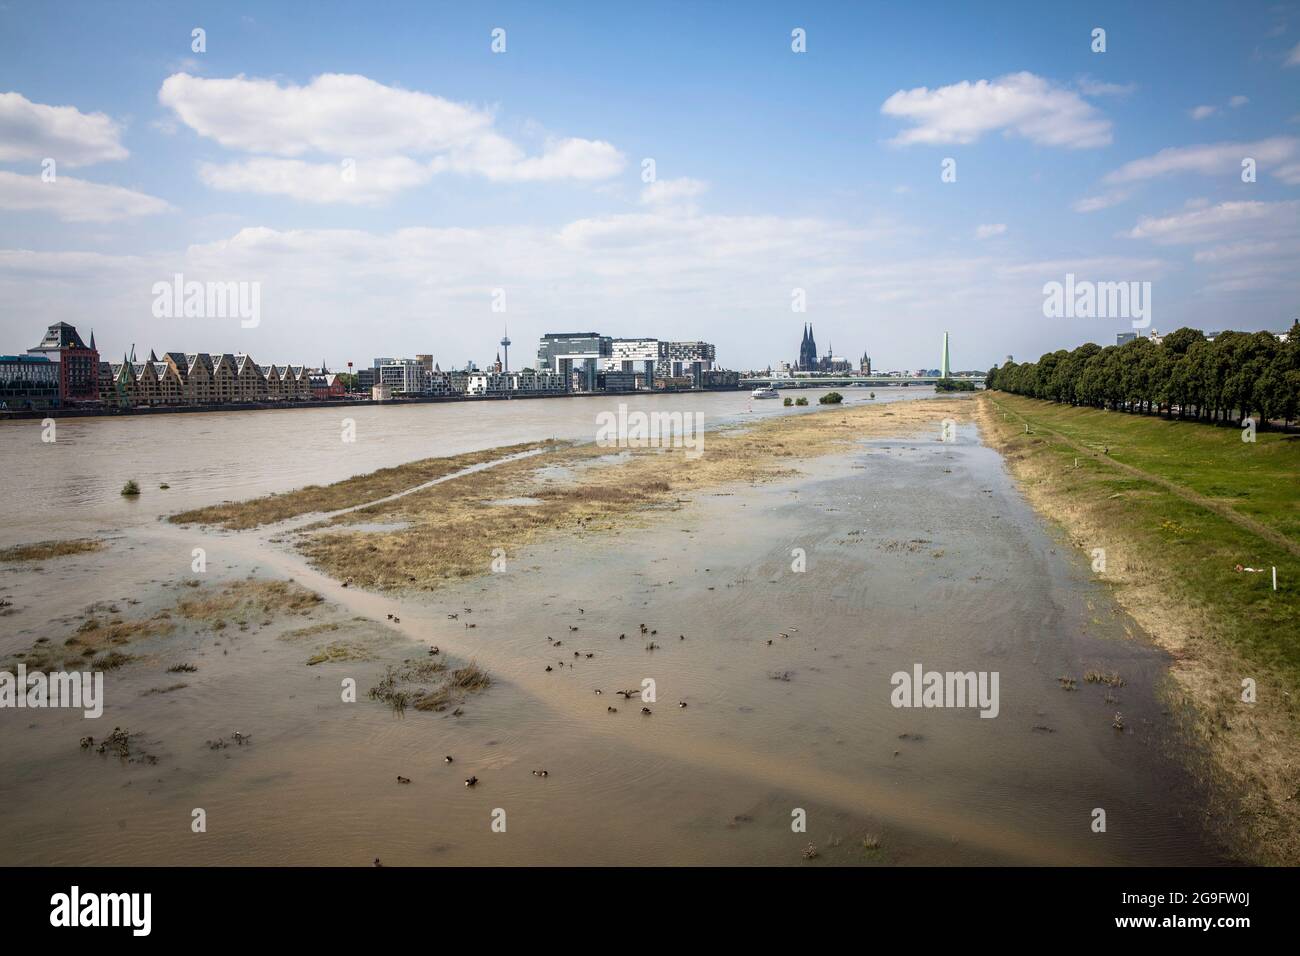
(1236, 375)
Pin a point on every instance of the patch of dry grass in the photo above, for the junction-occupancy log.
(265, 597)
(51, 549)
(241, 515)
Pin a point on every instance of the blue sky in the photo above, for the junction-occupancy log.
(522, 171)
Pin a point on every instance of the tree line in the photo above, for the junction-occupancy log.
(1237, 375)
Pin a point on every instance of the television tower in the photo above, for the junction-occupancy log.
(505, 345)
(943, 372)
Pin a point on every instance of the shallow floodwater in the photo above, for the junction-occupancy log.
(71, 486)
(916, 552)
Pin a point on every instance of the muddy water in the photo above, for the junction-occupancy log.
(71, 486)
(917, 552)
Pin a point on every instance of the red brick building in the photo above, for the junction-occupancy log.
(78, 362)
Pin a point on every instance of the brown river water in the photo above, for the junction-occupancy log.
(917, 551)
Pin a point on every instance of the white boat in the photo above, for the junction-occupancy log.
(765, 391)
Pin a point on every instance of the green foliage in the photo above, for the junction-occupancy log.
(131, 489)
(801, 400)
(953, 385)
(1238, 375)
(830, 398)
(788, 401)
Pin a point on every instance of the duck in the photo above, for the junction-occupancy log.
(622, 636)
(470, 781)
(573, 627)
(590, 656)
(390, 615)
(401, 779)
(540, 773)
(575, 654)
(377, 863)
(681, 703)
(651, 646)
(681, 637)
(581, 611)
(467, 624)
(646, 711)
(447, 759)
(611, 710)
(240, 738)
(599, 691)
(397, 620)
(548, 668)
(453, 617)
(769, 642)
(559, 643)
(434, 651)
(347, 584)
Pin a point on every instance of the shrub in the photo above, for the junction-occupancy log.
(830, 398)
(131, 489)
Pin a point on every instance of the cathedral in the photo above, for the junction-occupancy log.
(808, 359)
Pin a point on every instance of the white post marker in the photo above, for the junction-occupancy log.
(1275, 577)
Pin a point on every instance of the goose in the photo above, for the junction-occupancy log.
(401, 779)
(470, 781)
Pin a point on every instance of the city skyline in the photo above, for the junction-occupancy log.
(410, 191)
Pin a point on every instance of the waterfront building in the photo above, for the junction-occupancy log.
(575, 356)
(77, 362)
(29, 381)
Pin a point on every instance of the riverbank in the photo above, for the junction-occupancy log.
(1180, 512)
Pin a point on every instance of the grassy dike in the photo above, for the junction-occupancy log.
(1177, 506)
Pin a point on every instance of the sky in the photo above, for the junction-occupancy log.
(393, 185)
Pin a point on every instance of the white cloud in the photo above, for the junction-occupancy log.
(1019, 104)
(1208, 159)
(1103, 201)
(1293, 58)
(34, 131)
(988, 230)
(402, 137)
(1238, 101)
(672, 190)
(1204, 112)
(1223, 222)
(1091, 87)
(366, 181)
(75, 200)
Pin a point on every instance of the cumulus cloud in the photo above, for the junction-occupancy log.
(34, 131)
(402, 137)
(1204, 112)
(75, 200)
(1019, 104)
(1209, 159)
(362, 181)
